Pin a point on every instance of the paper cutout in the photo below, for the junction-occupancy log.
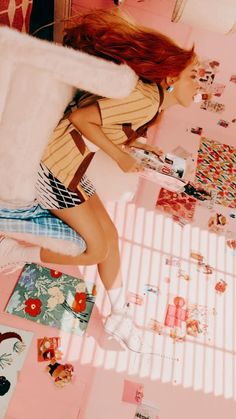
(48, 349)
(60, 373)
(61, 301)
(132, 392)
(216, 170)
(217, 223)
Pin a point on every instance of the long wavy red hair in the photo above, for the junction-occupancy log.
(151, 55)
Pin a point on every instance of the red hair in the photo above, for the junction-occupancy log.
(151, 55)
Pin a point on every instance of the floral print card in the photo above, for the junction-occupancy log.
(52, 298)
(216, 170)
(14, 345)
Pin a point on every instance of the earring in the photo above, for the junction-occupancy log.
(170, 88)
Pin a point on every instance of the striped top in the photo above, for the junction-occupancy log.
(138, 108)
(66, 155)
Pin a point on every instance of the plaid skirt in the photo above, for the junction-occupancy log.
(38, 222)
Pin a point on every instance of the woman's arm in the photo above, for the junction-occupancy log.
(88, 121)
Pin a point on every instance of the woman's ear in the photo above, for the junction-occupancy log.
(170, 80)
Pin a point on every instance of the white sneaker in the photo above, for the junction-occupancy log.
(9, 257)
(121, 326)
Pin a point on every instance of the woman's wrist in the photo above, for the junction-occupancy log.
(118, 154)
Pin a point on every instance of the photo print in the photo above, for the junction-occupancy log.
(52, 298)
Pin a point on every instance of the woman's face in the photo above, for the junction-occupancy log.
(186, 86)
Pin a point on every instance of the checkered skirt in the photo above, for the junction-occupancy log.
(38, 221)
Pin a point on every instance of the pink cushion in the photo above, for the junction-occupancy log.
(16, 14)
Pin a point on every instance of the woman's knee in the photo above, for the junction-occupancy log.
(98, 250)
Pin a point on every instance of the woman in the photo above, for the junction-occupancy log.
(166, 77)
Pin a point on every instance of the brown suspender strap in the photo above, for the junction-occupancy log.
(141, 131)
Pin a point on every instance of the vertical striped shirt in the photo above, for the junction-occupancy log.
(138, 108)
(66, 151)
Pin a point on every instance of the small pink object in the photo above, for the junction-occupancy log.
(175, 314)
(132, 392)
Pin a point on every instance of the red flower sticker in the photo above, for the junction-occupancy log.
(33, 306)
(55, 274)
(79, 303)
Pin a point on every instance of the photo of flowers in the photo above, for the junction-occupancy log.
(52, 298)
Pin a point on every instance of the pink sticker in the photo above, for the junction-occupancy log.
(132, 392)
(175, 313)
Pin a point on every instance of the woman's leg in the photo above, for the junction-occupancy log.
(110, 268)
(93, 223)
(84, 220)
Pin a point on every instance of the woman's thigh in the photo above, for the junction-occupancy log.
(85, 220)
(104, 218)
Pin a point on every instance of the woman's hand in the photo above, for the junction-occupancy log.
(148, 147)
(157, 151)
(127, 163)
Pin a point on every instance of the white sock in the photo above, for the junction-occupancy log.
(117, 299)
(12, 252)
